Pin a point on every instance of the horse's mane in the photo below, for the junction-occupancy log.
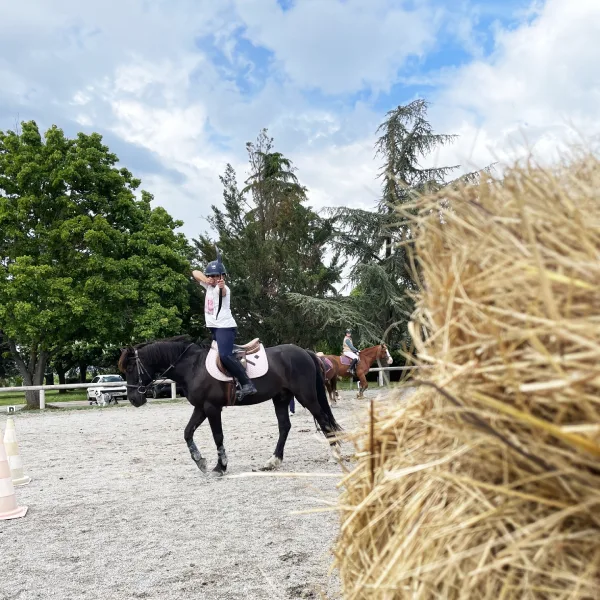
(158, 349)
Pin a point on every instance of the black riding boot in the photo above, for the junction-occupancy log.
(352, 368)
(237, 371)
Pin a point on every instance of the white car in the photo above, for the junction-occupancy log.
(99, 394)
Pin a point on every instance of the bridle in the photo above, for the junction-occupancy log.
(388, 356)
(141, 370)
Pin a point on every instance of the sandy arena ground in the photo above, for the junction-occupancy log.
(118, 510)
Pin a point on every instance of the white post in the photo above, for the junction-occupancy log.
(380, 378)
(384, 376)
(173, 389)
(42, 399)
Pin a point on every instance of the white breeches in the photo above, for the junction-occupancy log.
(351, 355)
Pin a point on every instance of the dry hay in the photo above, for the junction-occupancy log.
(486, 482)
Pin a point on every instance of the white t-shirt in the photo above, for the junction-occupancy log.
(211, 307)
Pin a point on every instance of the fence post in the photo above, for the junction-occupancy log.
(383, 376)
(173, 390)
(42, 399)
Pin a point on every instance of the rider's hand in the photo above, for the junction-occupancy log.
(221, 284)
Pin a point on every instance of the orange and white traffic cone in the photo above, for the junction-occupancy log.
(8, 501)
(15, 462)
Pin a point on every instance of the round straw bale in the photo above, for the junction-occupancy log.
(486, 482)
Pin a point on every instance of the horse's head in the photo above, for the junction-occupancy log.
(136, 375)
(384, 354)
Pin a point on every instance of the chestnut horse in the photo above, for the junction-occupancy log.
(367, 357)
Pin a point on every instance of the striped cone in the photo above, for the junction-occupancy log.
(15, 461)
(8, 501)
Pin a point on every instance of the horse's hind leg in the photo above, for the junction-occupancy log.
(363, 386)
(306, 395)
(214, 418)
(329, 387)
(280, 402)
(334, 388)
(195, 421)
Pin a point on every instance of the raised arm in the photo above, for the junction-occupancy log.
(199, 276)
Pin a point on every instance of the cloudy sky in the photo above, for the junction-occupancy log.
(178, 87)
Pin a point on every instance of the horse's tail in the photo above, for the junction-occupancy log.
(321, 395)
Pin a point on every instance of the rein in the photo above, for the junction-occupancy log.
(141, 369)
(220, 301)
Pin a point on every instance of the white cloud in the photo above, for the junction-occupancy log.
(340, 46)
(341, 175)
(538, 90)
(70, 44)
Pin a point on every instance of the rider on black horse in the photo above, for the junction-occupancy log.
(220, 321)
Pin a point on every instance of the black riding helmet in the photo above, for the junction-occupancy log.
(215, 267)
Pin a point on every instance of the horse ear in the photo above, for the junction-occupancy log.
(125, 354)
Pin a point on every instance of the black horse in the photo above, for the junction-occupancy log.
(293, 372)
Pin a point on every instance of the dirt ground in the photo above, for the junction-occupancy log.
(118, 510)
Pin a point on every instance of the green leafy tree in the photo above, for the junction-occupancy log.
(8, 369)
(81, 258)
(272, 244)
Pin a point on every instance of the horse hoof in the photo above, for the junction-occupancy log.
(272, 464)
(216, 472)
(202, 465)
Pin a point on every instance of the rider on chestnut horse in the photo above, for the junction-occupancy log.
(335, 367)
(349, 350)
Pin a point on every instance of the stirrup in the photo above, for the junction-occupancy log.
(240, 394)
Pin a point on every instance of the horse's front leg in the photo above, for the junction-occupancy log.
(214, 418)
(195, 421)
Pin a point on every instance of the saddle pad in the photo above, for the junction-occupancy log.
(345, 360)
(257, 364)
(326, 362)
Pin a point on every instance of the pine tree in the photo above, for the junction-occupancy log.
(376, 243)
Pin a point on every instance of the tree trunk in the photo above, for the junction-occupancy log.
(31, 372)
(49, 378)
(83, 372)
(61, 371)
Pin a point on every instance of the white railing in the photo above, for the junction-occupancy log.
(380, 371)
(71, 386)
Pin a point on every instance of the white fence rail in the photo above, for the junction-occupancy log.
(71, 386)
(381, 378)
